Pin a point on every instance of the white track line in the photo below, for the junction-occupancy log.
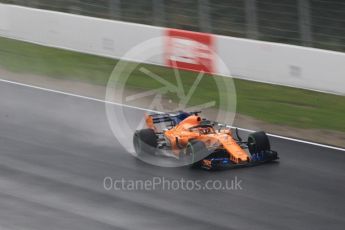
(134, 107)
(293, 139)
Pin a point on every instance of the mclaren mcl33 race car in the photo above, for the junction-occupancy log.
(200, 142)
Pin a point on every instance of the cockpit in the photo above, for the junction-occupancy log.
(203, 129)
(207, 130)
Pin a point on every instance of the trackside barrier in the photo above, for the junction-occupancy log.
(288, 65)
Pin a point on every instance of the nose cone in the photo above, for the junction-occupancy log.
(242, 155)
(238, 154)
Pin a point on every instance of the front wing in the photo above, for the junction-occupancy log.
(226, 163)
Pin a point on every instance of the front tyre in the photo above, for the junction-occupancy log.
(258, 142)
(196, 151)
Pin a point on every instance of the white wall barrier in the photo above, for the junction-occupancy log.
(74, 32)
(300, 67)
(281, 64)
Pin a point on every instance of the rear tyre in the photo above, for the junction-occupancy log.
(145, 141)
(196, 151)
(258, 142)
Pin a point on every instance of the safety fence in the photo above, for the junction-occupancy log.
(275, 63)
(313, 23)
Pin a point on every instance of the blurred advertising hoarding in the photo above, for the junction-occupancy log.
(189, 50)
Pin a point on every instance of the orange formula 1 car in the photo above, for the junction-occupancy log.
(201, 142)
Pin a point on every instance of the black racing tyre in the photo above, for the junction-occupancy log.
(145, 141)
(196, 151)
(258, 142)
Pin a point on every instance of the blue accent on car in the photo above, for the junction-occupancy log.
(182, 116)
(223, 161)
(179, 117)
(258, 156)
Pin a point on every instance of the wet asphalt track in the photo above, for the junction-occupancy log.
(55, 151)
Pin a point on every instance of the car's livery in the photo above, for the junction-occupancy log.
(201, 142)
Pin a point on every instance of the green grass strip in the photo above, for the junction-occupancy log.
(271, 103)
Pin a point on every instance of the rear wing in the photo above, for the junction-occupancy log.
(174, 118)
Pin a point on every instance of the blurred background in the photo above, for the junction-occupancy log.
(56, 142)
(313, 23)
(272, 81)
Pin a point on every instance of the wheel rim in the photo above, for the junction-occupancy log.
(189, 153)
(251, 145)
(189, 150)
